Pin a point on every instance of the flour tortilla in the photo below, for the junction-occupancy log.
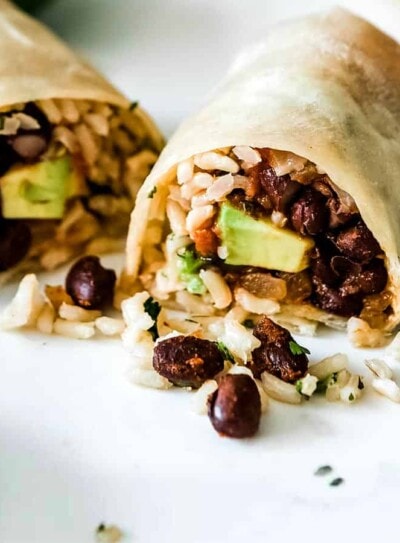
(36, 65)
(326, 87)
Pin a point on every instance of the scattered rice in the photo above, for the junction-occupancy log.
(254, 304)
(202, 180)
(214, 161)
(217, 287)
(387, 388)
(222, 252)
(308, 385)
(149, 378)
(296, 325)
(108, 534)
(45, 320)
(280, 390)
(109, 326)
(360, 334)
(193, 304)
(379, 368)
(236, 369)
(74, 329)
(351, 391)
(78, 314)
(329, 365)
(26, 305)
(238, 339)
(200, 397)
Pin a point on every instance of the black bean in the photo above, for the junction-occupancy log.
(344, 267)
(309, 214)
(28, 146)
(358, 243)
(235, 407)
(187, 361)
(280, 189)
(89, 284)
(334, 301)
(321, 268)
(15, 242)
(369, 280)
(276, 354)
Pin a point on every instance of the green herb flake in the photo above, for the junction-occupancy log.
(189, 265)
(323, 470)
(248, 323)
(133, 105)
(360, 384)
(325, 383)
(297, 349)
(226, 353)
(299, 385)
(152, 192)
(351, 397)
(337, 481)
(100, 528)
(152, 308)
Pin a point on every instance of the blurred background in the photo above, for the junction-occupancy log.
(170, 53)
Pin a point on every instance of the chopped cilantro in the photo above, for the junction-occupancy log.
(351, 397)
(323, 470)
(336, 482)
(299, 385)
(100, 528)
(153, 309)
(133, 105)
(360, 384)
(248, 323)
(323, 384)
(226, 353)
(152, 192)
(297, 349)
(189, 265)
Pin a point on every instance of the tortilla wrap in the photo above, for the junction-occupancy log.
(327, 88)
(38, 68)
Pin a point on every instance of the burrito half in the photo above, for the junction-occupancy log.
(73, 151)
(282, 195)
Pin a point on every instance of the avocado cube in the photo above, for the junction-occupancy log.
(258, 242)
(39, 191)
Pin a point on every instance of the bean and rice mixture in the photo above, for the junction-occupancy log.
(234, 363)
(111, 151)
(343, 273)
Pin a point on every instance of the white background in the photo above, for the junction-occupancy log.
(79, 445)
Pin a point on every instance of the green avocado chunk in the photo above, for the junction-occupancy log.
(258, 242)
(39, 191)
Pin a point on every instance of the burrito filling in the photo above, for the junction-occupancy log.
(261, 224)
(69, 174)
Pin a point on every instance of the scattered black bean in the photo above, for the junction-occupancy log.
(187, 361)
(89, 284)
(15, 242)
(370, 280)
(235, 407)
(276, 354)
(309, 214)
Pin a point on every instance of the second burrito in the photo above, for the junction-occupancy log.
(282, 195)
(73, 151)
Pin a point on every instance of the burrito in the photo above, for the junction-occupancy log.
(282, 195)
(73, 151)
